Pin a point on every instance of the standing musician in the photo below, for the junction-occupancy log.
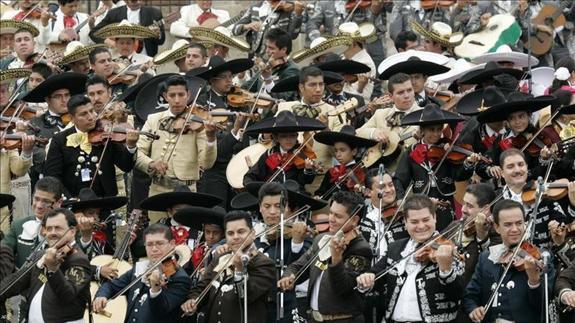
(79, 161)
(75, 57)
(238, 271)
(332, 274)
(565, 291)
(56, 92)
(200, 13)
(425, 285)
(67, 19)
(520, 296)
(38, 16)
(58, 284)
(24, 49)
(103, 66)
(157, 296)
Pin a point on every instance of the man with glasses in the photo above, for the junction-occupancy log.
(156, 297)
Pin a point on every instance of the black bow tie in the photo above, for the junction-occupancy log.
(395, 119)
(420, 100)
(54, 120)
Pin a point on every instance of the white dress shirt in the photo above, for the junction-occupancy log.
(79, 17)
(189, 18)
(363, 57)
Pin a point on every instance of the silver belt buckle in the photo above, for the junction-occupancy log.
(317, 316)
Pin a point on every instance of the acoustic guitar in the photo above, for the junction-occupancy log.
(551, 16)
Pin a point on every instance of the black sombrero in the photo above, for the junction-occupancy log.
(6, 199)
(478, 101)
(87, 199)
(295, 196)
(413, 65)
(515, 101)
(180, 195)
(291, 83)
(218, 65)
(346, 134)
(196, 216)
(490, 70)
(343, 66)
(431, 114)
(244, 201)
(285, 121)
(74, 82)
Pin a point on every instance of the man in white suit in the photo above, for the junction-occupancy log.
(68, 17)
(198, 14)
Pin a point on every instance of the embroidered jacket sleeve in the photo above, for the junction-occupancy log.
(171, 297)
(344, 273)
(70, 283)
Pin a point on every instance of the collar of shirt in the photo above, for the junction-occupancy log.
(510, 195)
(422, 94)
(312, 105)
(78, 130)
(217, 93)
(175, 223)
(53, 114)
(490, 132)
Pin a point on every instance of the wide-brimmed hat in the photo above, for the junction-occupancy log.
(180, 195)
(295, 196)
(460, 67)
(76, 51)
(285, 121)
(196, 216)
(130, 94)
(490, 70)
(504, 53)
(439, 32)
(364, 32)
(219, 35)
(218, 65)
(87, 199)
(541, 79)
(480, 100)
(74, 82)
(346, 134)
(431, 114)
(344, 66)
(291, 83)
(321, 46)
(515, 101)
(125, 29)
(178, 51)
(413, 65)
(6, 199)
(10, 26)
(14, 74)
(483, 42)
(244, 201)
(404, 56)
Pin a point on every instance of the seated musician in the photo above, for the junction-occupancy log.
(155, 297)
(57, 287)
(332, 272)
(274, 162)
(565, 292)
(68, 18)
(423, 286)
(347, 174)
(219, 296)
(418, 166)
(520, 296)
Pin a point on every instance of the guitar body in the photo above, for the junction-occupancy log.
(238, 166)
(551, 16)
(116, 307)
(501, 30)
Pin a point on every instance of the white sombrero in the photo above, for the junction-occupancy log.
(125, 29)
(10, 26)
(505, 54)
(541, 80)
(76, 51)
(404, 56)
(178, 51)
(439, 32)
(220, 35)
(364, 32)
(321, 46)
(460, 68)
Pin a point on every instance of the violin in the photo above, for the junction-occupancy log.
(221, 115)
(427, 254)
(457, 155)
(105, 130)
(525, 249)
(362, 4)
(19, 124)
(66, 118)
(239, 98)
(25, 112)
(14, 141)
(196, 121)
(553, 191)
(444, 96)
(299, 159)
(470, 229)
(432, 4)
(287, 6)
(390, 210)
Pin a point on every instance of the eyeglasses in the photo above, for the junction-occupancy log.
(158, 244)
(42, 201)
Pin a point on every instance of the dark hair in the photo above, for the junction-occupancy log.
(159, 228)
(506, 205)
(238, 215)
(510, 152)
(96, 51)
(418, 202)
(483, 192)
(403, 37)
(77, 101)
(97, 79)
(567, 62)
(307, 72)
(175, 81)
(271, 189)
(51, 185)
(398, 78)
(350, 200)
(563, 98)
(281, 38)
(65, 2)
(70, 217)
(24, 30)
(201, 47)
(42, 69)
(370, 175)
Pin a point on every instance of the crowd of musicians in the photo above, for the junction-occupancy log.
(413, 162)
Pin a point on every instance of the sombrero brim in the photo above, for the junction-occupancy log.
(479, 76)
(499, 112)
(132, 92)
(413, 67)
(106, 203)
(269, 126)
(366, 33)
(517, 58)
(336, 45)
(14, 73)
(427, 33)
(195, 217)
(235, 66)
(344, 66)
(10, 26)
(293, 196)
(162, 201)
(244, 201)
(213, 36)
(6, 199)
(74, 82)
(568, 109)
(471, 102)
(171, 55)
(331, 137)
(416, 118)
(404, 56)
(125, 31)
(291, 83)
(80, 53)
(453, 74)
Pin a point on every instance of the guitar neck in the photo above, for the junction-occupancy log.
(233, 20)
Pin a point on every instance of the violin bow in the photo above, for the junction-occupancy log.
(15, 115)
(121, 72)
(349, 174)
(253, 109)
(295, 153)
(399, 208)
(109, 132)
(357, 3)
(547, 122)
(108, 105)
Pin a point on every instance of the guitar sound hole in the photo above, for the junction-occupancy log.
(492, 28)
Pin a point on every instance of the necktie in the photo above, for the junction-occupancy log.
(395, 119)
(69, 22)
